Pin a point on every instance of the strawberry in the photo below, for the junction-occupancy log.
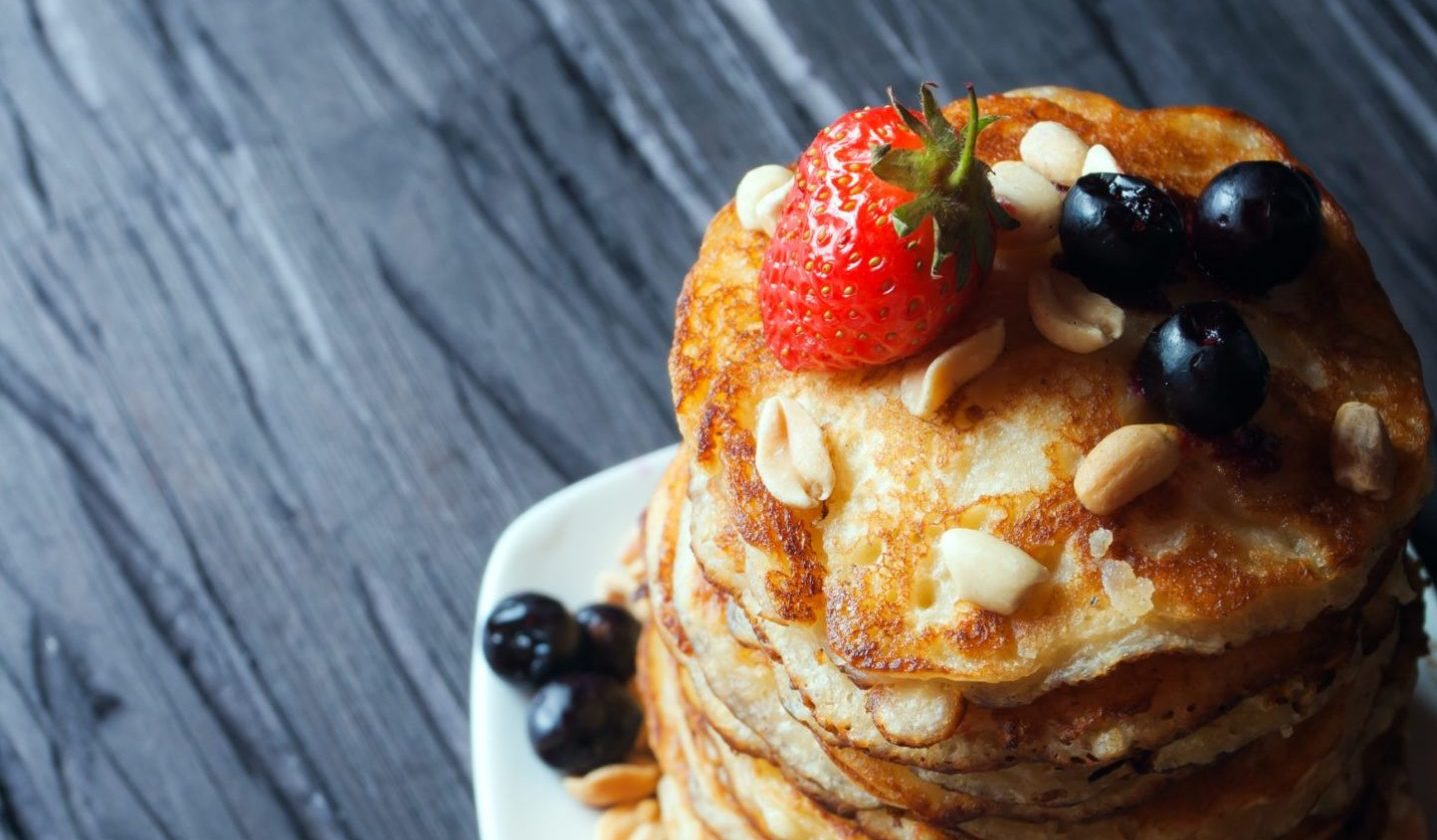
(855, 274)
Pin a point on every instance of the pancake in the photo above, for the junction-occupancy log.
(1283, 787)
(676, 809)
(690, 774)
(755, 788)
(751, 721)
(772, 804)
(936, 802)
(739, 718)
(1232, 552)
(677, 815)
(737, 693)
(1137, 708)
(744, 711)
(1281, 790)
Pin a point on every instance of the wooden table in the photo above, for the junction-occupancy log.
(302, 300)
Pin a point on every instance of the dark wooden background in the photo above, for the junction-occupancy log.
(302, 300)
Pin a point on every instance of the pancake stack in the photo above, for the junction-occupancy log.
(1229, 655)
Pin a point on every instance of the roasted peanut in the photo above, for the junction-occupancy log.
(1126, 464)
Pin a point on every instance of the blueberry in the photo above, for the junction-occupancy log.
(611, 640)
(580, 722)
(1121, 234)
(1204, 369)
(1257, 224)
(530, 638)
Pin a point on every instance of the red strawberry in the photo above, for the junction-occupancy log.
(855, 274)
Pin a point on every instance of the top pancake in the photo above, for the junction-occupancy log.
(1245, 539)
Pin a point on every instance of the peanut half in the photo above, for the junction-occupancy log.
(792, 460)
(1069, 315)
(1126, 464)
(616, 784)
(986, 571)
(925, 389)
(1055, 150)
(1363, 460)
(760, 194)
(1099, 159)
(769, 205)
(1030, 199)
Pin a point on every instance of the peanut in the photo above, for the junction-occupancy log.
(759, 194)
(1363, 460)
(792, 460)
(925, 388)
(616, 784)
(987, 571)
(1099, 159)
(1069, 315)
(1030, 199)
(1055, 151)
(1126, 464)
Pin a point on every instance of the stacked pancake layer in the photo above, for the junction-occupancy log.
(1231, 656)
(1305, 750)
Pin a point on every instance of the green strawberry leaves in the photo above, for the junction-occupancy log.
(949, 183)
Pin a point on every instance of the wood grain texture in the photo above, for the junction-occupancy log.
(302, 300)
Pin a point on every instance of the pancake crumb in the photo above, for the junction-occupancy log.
(1111, 744)
(1129, 594)
(1099, 542)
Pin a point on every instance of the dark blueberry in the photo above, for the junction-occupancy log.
(530, 638)
(582, 721)
(1121, 234)
(1203, 368)
(1257, 224)
(611, 640)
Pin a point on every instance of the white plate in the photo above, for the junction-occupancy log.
(558, 547)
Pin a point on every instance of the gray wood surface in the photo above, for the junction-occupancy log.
(302, 300)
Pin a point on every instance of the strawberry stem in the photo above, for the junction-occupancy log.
(949, 185)
(970, 142)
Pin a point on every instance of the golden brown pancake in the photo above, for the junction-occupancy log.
(750, 720)
(1139, 706)
(1295, 781)
(673, 739)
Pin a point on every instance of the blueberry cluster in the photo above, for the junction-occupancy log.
(1256, 224)
(581, 715)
